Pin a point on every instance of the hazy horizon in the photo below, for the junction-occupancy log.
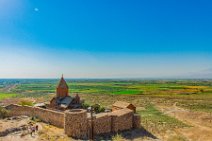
(106, 39)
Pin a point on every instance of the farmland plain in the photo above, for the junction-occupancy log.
(167, 107)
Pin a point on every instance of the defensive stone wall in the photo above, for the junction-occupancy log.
(136, 121)
(76, 122)
(113, 122)
(50, 116)
(102, 124)
(122, 120)
(17, 110)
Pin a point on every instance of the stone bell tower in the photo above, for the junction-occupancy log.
(62, 88)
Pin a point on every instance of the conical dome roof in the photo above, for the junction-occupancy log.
(62, 83)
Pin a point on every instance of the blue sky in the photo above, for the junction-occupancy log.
(105, 39)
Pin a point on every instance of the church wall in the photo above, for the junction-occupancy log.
(61, 92)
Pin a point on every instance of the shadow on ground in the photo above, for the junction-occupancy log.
(129, 135)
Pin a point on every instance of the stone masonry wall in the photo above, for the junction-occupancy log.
(102, 124)
(122, 120)
(53, 117)
(49, 116)
(17, 110)
(77, 124)
(113, 122)
(136, 121)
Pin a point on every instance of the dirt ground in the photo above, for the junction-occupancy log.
(200, 122)
(8, 124)
(45, 132)
(50, 133)
(200, 129)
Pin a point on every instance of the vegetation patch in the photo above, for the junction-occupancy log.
(5, 95)
(26, 103)
(152, 118)
(117, 137)
(181, 89)
(3, 113)
(177, 138)
(128, 92)
(203, 106)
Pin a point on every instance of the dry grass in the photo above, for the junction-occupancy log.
(52, 133)
(177, 138)
(117, 137)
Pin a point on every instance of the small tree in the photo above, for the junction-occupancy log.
(85, 105)
(98, 109)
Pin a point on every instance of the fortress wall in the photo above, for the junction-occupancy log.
(136, 121)
(18, 110)
(76, 123)
(102, 124)
(122, 120)
(53, 117)
(113, 122)
(49, 116)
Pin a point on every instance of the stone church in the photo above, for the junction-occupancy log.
(62, 100)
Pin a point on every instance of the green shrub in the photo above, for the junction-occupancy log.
(85, 105)
(3, 113)
(102, 109)
(98, 109)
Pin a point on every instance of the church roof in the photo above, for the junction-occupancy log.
(64, 102)
(62, 83)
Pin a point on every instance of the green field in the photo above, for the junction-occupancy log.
(151, 116)
(5, 95)
(128, 92)
(191, 94)
(175, 88)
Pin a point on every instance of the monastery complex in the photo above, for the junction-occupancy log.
(66, 112)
